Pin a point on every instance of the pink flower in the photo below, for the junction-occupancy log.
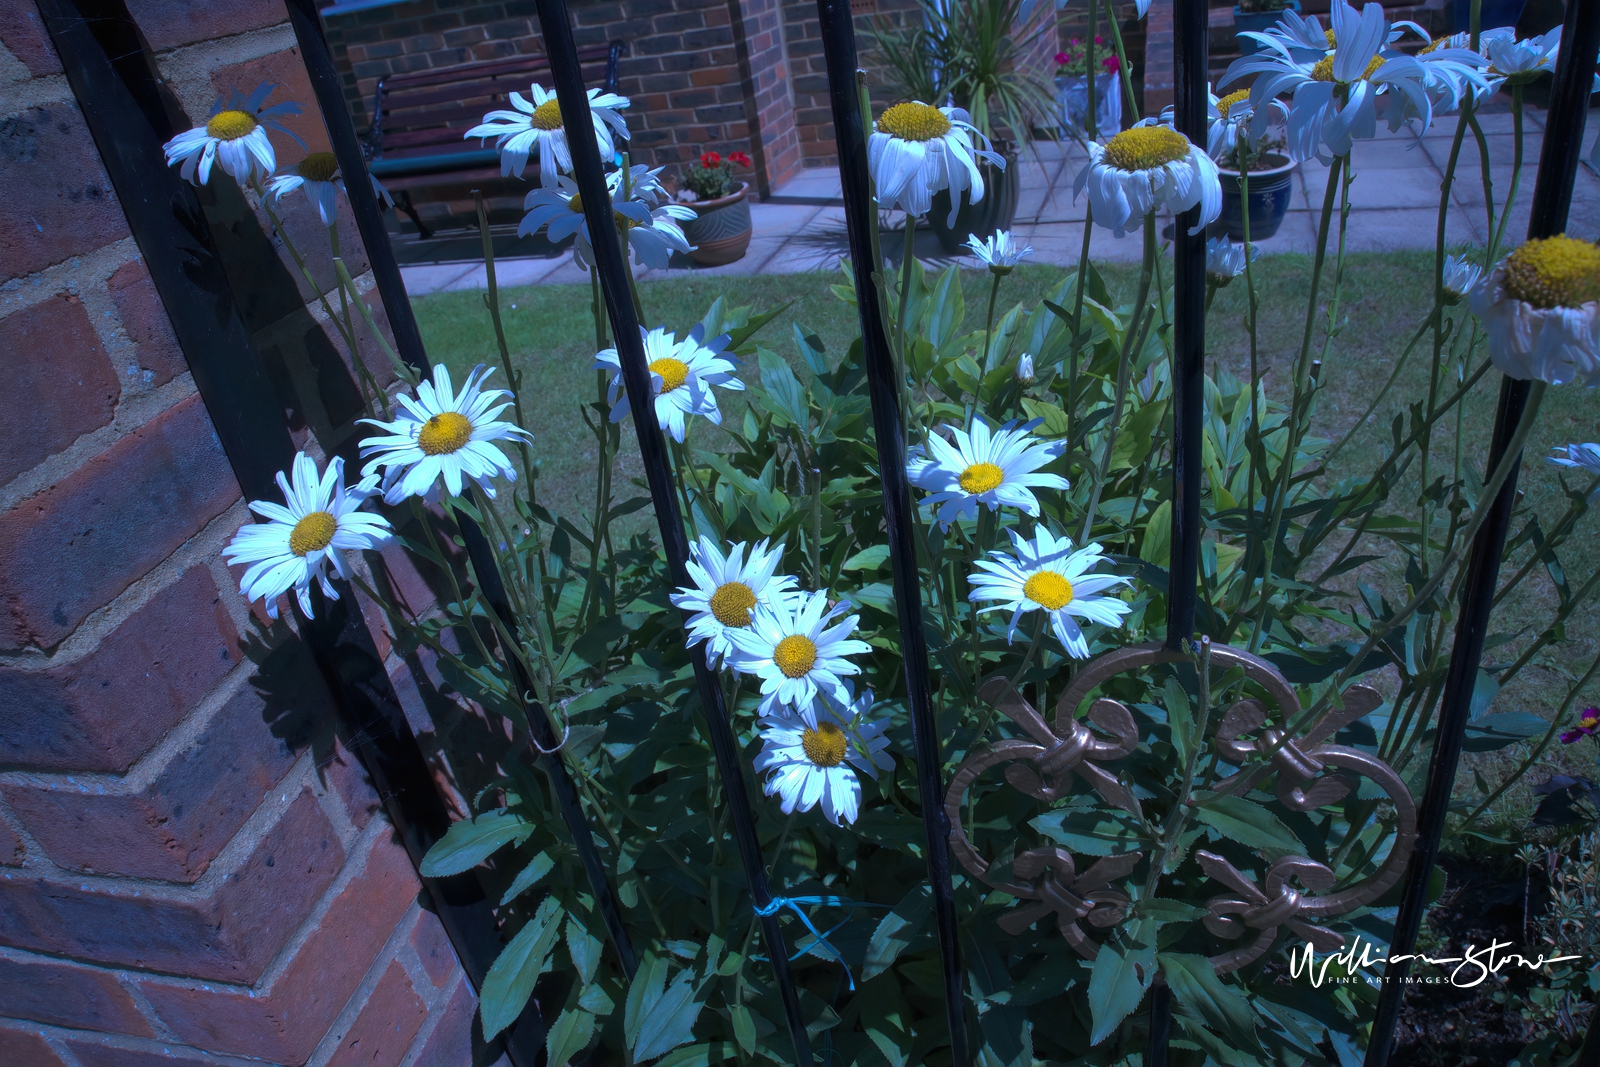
(1588, 726)
(1062, 58)
(1111, 64)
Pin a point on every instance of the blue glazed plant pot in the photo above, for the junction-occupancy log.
(1270, 191)
(1493, 14)
(1257, 21)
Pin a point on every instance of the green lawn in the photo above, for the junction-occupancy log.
(1385, 296)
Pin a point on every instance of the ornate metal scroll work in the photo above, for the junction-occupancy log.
(1307, 777)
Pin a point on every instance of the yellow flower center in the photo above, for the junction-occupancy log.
(547, 116)
(674, 372)
(1554, 272)
(623, 221)
(914, 122)
(1589, 722)
(794, 655)
(825, 746)
(313, 532)
(1226, 103)
(318, 167)
(1048, 589)
(1323, 71)
(1435, 44)
(731, 604)
(1146, 148)
(445, 432)
(980, 478)
(230, 125)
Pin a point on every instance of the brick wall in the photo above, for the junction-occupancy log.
(192, 868)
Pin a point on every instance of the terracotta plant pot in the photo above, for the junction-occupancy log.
(1270, 191)
(720, 230)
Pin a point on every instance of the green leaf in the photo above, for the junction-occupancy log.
(699, 1055)
(644, 992)
(868, 559)
(744, 1027)
(670, 1021)
(1007, 1037)
(781, 392)
(509, 982)
(1122, 972)
(1167, 911)
(1180, 719)
(1090, 831)
(1501, 729)
(1250, 824)
(1156, 545)
(897, 930)
(1138, 435)
(536, 869)
(1053, 419)
(1197, 988)
(471, 841)
(584, 948)
(569, 1036)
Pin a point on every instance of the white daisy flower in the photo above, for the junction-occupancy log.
(1539, 307)
(791, 646)
(983, 467)
(1046, 575)
(726, 589)
(652, 229)
(1336, 82)
(816, 762)
(317, 523)
(682, 374)
(1460, 276)
(1228, 121)
(318, 176)
(1225, 260)
(1520, 62)
(1584, 457)
(917, 149)
(235, 136)
(999, 252)
(1452, 71)
(442, 433)
(535, 128)
(1144, 168)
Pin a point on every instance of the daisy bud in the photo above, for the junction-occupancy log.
(1024, 372)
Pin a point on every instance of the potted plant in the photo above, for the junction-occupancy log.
(1072, 88)
(720, 230)
(1270, 183)
(1258, 15)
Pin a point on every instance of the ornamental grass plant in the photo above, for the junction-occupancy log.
(1041, 453)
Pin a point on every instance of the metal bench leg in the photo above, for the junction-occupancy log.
(403, 202)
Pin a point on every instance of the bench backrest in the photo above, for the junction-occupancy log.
(426, 112)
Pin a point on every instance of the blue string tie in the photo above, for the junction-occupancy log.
(794, 904)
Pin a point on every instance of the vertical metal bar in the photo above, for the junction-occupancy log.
(1189, 330)
(1552, 197)
(850, 135)
(616, 285)
(408, 342)
(122, 105)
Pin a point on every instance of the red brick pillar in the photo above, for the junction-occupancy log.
(1158, 58)
(191, 866)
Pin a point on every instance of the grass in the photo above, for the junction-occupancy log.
(1385, 297)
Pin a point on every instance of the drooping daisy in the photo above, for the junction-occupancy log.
(442, 433)
(316, 524)
(1225, 260)
(1228, 122)
(917, 149)
(1046, 574)
(727, 588)
(535, 127)
(1539, 306)
(1582, 457)
(318, 175)
(1588, 726)
(816, 762)
(1144, 168)
(999, 252)
(651, 230)
(983, 467)
(682, 374)
(235, 136)
(1520, 62)
(1452, 71)
(798, 650)
(1459, 278)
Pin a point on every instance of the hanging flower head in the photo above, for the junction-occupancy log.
(1145, 168)
(318, 176)
(999, 252)
(443, 434)
(649, 222)
(316, 524)
(815, 762)
(984, 467)
(1229, 125)
(1046, 574)
(1588, 726)
(235, 136)
(917, 149)
(727, 588)
(798, 650)
(682, 374)
(1225, 260)
(1515, 62)
(1580, 457)
(535, 127)
(1539, 306)
(1460, 275)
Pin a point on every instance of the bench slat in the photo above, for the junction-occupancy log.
(484, 68)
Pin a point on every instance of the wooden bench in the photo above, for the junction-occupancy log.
(420, 119)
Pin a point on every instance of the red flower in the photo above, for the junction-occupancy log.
(710, 159)
(1111, 64)
(1062, 58)
(740, 158)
